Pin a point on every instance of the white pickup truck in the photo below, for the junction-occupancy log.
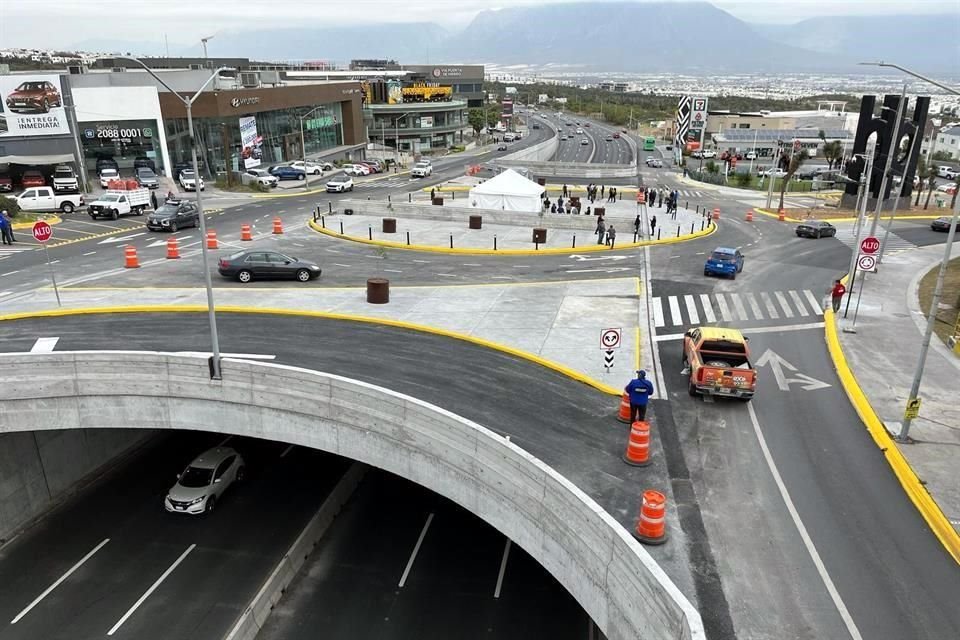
(115, 203)
(44, 199)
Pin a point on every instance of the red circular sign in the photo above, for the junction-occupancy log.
(869, 245)
(42, 231)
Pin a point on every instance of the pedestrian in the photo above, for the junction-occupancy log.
(560, 208)
(611, 236)
(653, 225)
(153, 200)
(684, 172)
(661, 196)
(653, 197)
(601, 231)
(433, 194)
(587, 213)
(6, 228)
(169, 196)
(575, 210)
(564, 190)
(636, 225)
(602, 189)
(639, 389)
(613, 194)
(836, 294)
(553, 208)
(559, 202)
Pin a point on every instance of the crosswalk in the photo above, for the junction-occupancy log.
(846, 235)
(703, 308)
(7, 251)
(389, 183)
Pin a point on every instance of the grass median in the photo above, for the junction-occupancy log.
(949, 301)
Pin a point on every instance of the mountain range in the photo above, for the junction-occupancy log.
(689, 37)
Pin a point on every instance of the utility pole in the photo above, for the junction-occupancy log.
(861, 214)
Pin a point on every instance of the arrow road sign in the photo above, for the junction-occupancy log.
(869, 244)
(582, 258)
(866, 262)
(608, 359)
(610, 338)
(778, 364)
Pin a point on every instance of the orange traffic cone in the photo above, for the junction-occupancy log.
(173, 249)
(245, 234)
(277, 226)
(781, 216)
(130, 257)
(638, 445)
(624, 415)
(652, 525)
(749, 215)
(212, 240)
(716, 213)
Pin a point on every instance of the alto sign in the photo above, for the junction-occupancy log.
(42, 231)
(869, 245)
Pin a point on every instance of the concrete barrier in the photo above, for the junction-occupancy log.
(448, 213)
(612, 577)
(537, 152)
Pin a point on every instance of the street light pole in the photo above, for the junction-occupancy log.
(861, 214)
(303, 147)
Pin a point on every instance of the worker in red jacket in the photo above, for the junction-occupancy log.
(836, 294)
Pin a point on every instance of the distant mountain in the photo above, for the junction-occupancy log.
(929, 42)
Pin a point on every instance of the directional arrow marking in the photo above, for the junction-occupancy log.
(582, 258)
(611, 270)
(158, 243)
(121, 238)
(778, 364)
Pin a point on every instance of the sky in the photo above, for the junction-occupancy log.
(61, 23)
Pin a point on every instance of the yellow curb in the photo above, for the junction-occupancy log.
(911, 484)
(549, 364)
(52, 220)
(94, 236)
(589, 248)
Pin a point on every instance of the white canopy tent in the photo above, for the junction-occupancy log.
(508, 191)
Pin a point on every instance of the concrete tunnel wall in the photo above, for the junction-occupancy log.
(584, 548)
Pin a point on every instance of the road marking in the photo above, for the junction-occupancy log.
(503, 568)
(337, 264)
(812, 299)
(782, 299)
(798, 523)
(768, 303)
(286, 451)
(798, 303)
(416, 550)
(657, 305)
(44, 345)
(10, 273)
(707, 308)
(153, 587)
(691, 309)
(675, 317)
(122, 238)
(474, 264)
(789, 327)
(59, 581)
(738, 306)
(447, 275)
(5, 293)
(754, 306)
(724, 309)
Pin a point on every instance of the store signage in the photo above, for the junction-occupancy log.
(426, 122)
(117, 132)
(698, 113)
(447, 72)
(32, 106)
(250, 143)
(236, 103)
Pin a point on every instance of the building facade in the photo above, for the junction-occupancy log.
(948, 141)
(417, 127)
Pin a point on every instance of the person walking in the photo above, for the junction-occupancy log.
(602, 189)
(836, 295)
(639, 389)
(611, 236)
(653, 197)
(636, 225)
(661, 197)
(153, 200)
(601, 231)
(433, 194)
(6, 228)
(653, 225)
(564, 190)
(559, 202)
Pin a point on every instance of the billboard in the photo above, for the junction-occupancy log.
(698, 118)
(426, 121)
(250, 142)
(32, 106)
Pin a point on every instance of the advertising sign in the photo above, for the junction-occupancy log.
(32, 106)
(506, 106)
(250, 142)
(117, 132)
(698, 117)
(426, 121)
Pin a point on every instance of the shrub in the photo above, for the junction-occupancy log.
(744, 180)
(10, 205)
(712, 167)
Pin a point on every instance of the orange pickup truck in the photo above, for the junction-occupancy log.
(718, 361)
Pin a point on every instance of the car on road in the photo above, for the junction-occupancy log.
(32, 178)
(188, 181)
(584, 141)
(287, 173)
(248, 265)
(339, 184)
(616, 135)
(579, 131)
(146, 178)
(717, 361)
(34, 96)
(776, 172)
(609, 139)
(174, 215)
(563, 138)
(423, 169)
(115, 203)
(107, 174)
(313, 168)
(815, 229)
(704, 153)
(536, 126)
(724, 261)
(656, 163)
(204, 481)
(502, 147)
(946, 171)
(943, 224)
(261, 177)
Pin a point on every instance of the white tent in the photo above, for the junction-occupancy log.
(508, 191)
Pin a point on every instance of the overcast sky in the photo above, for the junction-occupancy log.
(60, 23)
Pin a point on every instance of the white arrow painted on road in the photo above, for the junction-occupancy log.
(122, 238)
(778, 364)
(611, 270)
(582, 258)
(158, 243)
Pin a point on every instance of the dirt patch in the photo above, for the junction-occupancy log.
(949, 301)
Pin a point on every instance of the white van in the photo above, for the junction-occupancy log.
(509, 137)
(947, 172)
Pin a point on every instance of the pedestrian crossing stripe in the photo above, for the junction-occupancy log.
(845, 234)
(6, 250)
(689, 309)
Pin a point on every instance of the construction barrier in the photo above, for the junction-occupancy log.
(638, 445)
(130, 257)
(716, 213)
(652, 525)
(173, 249)
(277, 226)
(749, 215)
(624, 415)
(641, 197)
(212, 240)
(781, 215)
(245, 234)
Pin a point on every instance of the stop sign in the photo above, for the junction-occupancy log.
(869, 245)
(42, 231)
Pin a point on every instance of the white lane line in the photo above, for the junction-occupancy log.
(691, 309)
(286, 451)
(332, 251)
(798, 523)
(738, 306)
(9, 273)
(675, 317)
(44, 345)
(521, 266)
(474, 264)
(768, 303)
(59, 581)
(814, 303)
(393, 271)
(422, 261)
(501, 278)
(5, 293)
(789, 327)
(54, 261)
(503, 569)
(239, 356)
(153, 587)
(754, 306)
(416, 550)
(447, 275)
(798, 303)
(722, 305)
(337, 264)
(657, 305)
(89, 253)
(707, 308)
(782, 299)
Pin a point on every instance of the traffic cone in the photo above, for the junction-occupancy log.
(130, 257)
(245, 234)
(624, 414)
(173, 249)
(716, 213)
(781, 216)
(749, 215)
(277, 226)
(212, 240)
(651, 526)
(638, 445)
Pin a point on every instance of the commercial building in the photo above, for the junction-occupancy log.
(831, 115)
(417, 127)
(765, 142)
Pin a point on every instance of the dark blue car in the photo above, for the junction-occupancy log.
(724, 262)
(287, 173)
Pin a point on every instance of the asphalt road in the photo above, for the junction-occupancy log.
(598, 149)
(236, 547)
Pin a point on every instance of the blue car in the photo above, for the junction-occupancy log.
(724, 262)
(287, 173)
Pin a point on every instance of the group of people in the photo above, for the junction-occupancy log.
(6, 227)
(605, 235)
(669, 198)
(637, 223)
(593, 191)
(564, 206)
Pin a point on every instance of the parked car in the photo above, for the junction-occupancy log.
(107, 174)
(339, 184)
(107, 163)
(656, 163)
(34, 96)
(312, 168)
(287, 173)
(373, 166)
(943, 224)
(188, 181)
(815, 229)
(775, 172)
(32, 178)
(945, 171)
(6, 184)
(948, 189)
(423, 169)
(502, 147)
(357, 170)
(247, 265)
(144, 161)
(64, 179)
(204, 481)
(116, 203)
(146, 178)
(724, 261)
(262, 177)
(750, 155)
(174, 215)
(45, 199)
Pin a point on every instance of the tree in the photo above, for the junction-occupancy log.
(477, 119)
(931, 185)
(942, 156)
(796, 161)
(833, 153)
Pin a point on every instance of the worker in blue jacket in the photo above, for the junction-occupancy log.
(640, 389)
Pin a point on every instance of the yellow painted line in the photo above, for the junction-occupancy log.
(94, 236)
(549, 364)
(912, 485)
(52, 220)
(588, 248)
(271, 196)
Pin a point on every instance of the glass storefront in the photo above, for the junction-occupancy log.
(123, 141)
(277, 134)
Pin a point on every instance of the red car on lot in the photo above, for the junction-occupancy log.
(6, 184)
(32, 178)
(34, 95)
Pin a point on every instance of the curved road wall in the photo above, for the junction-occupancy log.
(611, 575)
(580, 169)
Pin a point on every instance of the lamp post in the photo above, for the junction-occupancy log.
(396, 134)
(303, 147)
(904, 435)
(211, 309)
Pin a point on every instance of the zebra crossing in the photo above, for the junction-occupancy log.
(703, 308)
(9, 250)
(846, 235)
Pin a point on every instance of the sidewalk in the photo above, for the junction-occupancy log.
(883, 356)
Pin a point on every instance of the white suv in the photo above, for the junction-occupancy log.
(422, 169)
(204, 481)
(340, 184)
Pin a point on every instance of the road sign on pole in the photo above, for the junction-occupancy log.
(610, 338)
(913, 409)
(866, 262)
(42, 232)
(869, 245)
(608, 359)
